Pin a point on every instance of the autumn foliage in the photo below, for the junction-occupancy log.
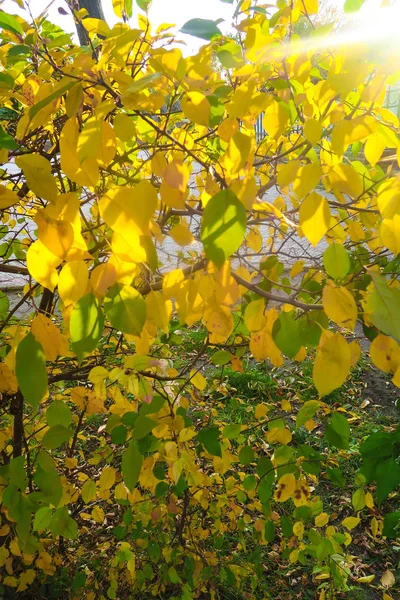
(138, 203)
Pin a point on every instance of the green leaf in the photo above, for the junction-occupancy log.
(10, 23)
(6, 81)
(265, 487)
(125, 308)
(377, 445)
(201, 28)
(351, 6)
(306, 412)
(143, 4)
(221, 357)
(391, 525)
(56, 436)
(286, 334)
(286, 526)
(62, 524)
(4, 305)
(58, 413)
(30, 370)
(131, 465)
(246, 455)
(79, 580)
(42, 518)
(209, 437)
(143, 426)
(269, 531)
(336, 261)
(230, 432)
(358, 499)
(336, 476)
(86, 325)
(387, 478)
(88, 491)
(338, 431)
(223, 226)
(264, 465)
(6, 141)
(382, 307)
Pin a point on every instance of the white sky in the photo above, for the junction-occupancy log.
(179, 11)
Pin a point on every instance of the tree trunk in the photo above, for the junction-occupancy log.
(95, 11)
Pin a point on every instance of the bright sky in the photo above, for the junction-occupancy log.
(372, 19)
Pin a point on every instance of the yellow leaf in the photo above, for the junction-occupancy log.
(38, 175)
(355, 350)
(254, 315)
(198, 380)
(307, 179)
(42, 265)
(293, 556)
(103, 277)
(344, 178)
(374, 147)
(389, 232)
(286, 487)
(53, 342)
(254, 240)
(107, 478)
(98, 514)
(57, 236)
(350, 522)
(281, 435)
(314, 217)
(385, 353)
(196, 108)
(312, 131)
(219, 323)
(8, 381)
(181, 234)
(260, 411)
(301, 494)
(332, 363)
(340, 306)
(389, 198)
(374, 526)
(73, 281)
(369, 500)
(129, 210)
(365, 579)
(388, 579)
(96, 141)
(297, 268)
(7, 197)
(85, 173)
(285, 405)
(276, 119)
(321, 520)
(298, 530)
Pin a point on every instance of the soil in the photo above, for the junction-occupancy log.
(380, 391)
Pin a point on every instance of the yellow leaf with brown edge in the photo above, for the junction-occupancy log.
(332, 363)
(340, 306)
(314, 217)
(53, 342)
(285, 488)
